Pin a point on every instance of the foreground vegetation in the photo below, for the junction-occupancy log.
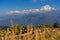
(29, 32)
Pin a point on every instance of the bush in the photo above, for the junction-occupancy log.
(56, 25)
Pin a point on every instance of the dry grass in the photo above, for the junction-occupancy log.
(31, 34)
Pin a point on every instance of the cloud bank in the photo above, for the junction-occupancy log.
(42, 9)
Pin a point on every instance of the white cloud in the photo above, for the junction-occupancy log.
(47, 8)
(43, 9)
(11, 12)
(23, 11)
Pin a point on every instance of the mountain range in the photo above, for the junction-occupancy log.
(45, 15)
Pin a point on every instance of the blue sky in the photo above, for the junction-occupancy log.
(6, 5)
